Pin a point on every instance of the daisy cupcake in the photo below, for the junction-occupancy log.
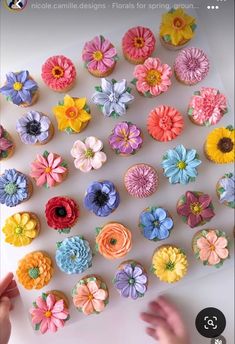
(7, 146)
(225, 190)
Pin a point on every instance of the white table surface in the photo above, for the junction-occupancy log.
(32, 34)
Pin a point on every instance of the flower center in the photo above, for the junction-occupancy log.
(156, 223)
(113, 97)
(196, 208)
(178, 23)
(181, 165)
(33, 128)
(153, 77)
(71, 112)
(18, 230)
(10, 188)
(225, 145)
(57, 72)
(138, 42)
(60, 212)
(170, 266)
(113, 241)
(131, 281)
(33, 273)
(212, 247)
(48, 314)
(48, 169)
(89, 153)
(17, 86)
(73, 255)
(98, 55)
(193, 64)
(90, 297)
(165, 123)
(100, 198)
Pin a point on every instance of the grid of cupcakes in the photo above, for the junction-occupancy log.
(74, 255)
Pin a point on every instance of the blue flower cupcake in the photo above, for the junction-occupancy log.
(74, 255)
(155, 223)
(180, 165)
(102, 198)
(225, 190)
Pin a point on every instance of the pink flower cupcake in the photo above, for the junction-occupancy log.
(191, 66)
(138, 44)
(59, 73)
(207, 106)
(152, 77)
(99, 56)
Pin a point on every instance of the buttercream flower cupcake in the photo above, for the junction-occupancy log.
(165, 123)
(88, 154)
(102, 198)
(207, 106)
(141, 180)
(90, 295)
(155, 223)
(113, 97)
(59, 73)
(50, 311)
(20, 89)
(73, 255)
(169, 263)
(191, 66)
(180, 165)
(195, 208)
(100, 56)
(49, 170)
(15, 188)
(113, 240)
(7, 146)
(138, 44)
(35, 128)
(35, 270)
(225, 190)
(21, 228)
(211, 247)
(72, 114)
(152, 77)
(219, 145)
(61, 213)
(177, 29)
(126, 139)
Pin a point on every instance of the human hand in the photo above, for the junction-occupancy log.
(166, 323)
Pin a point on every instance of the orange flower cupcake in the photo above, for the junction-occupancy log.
(113, 240)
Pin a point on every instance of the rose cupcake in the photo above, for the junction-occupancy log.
(61, 213)
(7, 146)
(138, 44)
(100, 56)
(113, 240)
(225, 189)
(59, 73)
(90, 295)
(126, 139)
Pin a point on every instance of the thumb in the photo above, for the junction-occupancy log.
(5, 305)
(164, 334)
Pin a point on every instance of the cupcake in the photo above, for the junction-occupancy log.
(50, 311)
(195, 208)
(138, 44)
(21, 228)
(113, 97)
(169, 263)
(210, 246)
(35, 128)
(59, 73)
(225, 189)
(191, 66)
(72, 114)
(61, 213)
(20, 89)
(165, 123)
(141, 180)
(180, 165)
(102, 198)
(35, 270)
(49, 169)
(73, 255)
(15, 188)
(88, 154)
(126, 139)
(7, 146)
(155, 223)
(207, 106)
(113, 240)
(177, 29)
(152, 77)
(90, 295)
(219, 145)
(99, 56)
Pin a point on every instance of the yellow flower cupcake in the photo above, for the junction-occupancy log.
(21, 228)
(219, 145)
(169, 263)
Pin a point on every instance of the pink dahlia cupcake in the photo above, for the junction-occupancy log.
(165, 123)
(152, 77)
(141, 180)
(99, 56)
(138, 44)
(207, 106)
(191, 66)
(59, 73)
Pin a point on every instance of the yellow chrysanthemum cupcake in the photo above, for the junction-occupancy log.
(169, 263)
(219, 145)
(21, 228)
